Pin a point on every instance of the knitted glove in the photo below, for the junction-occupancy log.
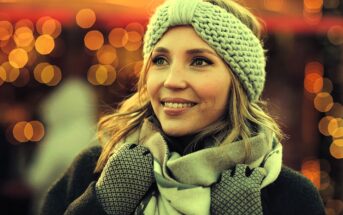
(125, 179)
(238, 192)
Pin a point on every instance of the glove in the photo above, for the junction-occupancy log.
(238, 191)
(125, 179)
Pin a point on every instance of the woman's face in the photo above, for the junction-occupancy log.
(187, 82)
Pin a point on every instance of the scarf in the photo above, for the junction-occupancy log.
(183, 182)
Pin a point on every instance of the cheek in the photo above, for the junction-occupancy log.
(152, 84)
(214, 93)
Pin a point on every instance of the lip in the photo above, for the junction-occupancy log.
(176, 111)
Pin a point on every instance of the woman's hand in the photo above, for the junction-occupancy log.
(238, 191)
(125, 179)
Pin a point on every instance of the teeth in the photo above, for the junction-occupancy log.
(177, 105)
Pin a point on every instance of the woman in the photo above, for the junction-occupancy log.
(194, 139)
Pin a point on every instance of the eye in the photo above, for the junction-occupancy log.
(159, 60)
(200, 61)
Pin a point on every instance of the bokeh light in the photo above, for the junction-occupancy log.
(85, 18)
(336, 151)
(327, 85)
(274, 5)
(51, 27)
(28, 131)
(18, 132)
(335, 35)
(18, 58)
(48, 74)
(118, 37)
(311, 169)
(106, 55)
(135, 26)
(101, 75)
(336, 110)
(8, 46)
(44, 44)
(138, 67)
(335, 127)
(38, 130)
(313, 5)
(37, 72)
(323, 125)
(94, 40)
(338, 142)
(12, 73)
(313, 83)
(6, 30)
(323, 102)
(23, 36)
(24, 23)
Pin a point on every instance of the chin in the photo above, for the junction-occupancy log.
(176, 133)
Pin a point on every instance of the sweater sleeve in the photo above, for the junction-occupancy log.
(74, 193)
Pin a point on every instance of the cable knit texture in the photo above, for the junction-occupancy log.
(225, 33)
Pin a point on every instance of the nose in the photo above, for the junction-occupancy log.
(175, 78)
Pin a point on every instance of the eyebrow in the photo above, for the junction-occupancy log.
(189, 52)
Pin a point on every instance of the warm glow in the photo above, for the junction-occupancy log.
(134, 36)
(335, 127)
(8, 46)
(51, 27)
(327, 85)
(313, 5)
(23, 36)
(37, 72)
(24, 23)
(323, 125)
(47, 74)
(338, 142)
(313, 18)
(18, 132)
(12, 73)
(18, 58)
(56, 79)
(106, 55)
(133, 46)
(6, 30)
(101, 75)
(274, 5)
(138, 67)
(311, 169)
(85, 18)
(335, 35)
(323, 102)
(3, 74)
(45, 44)
(118, 37)
(135, 26)
(336, 151)
(38, 131)
(94, 40)
(336, 110)
(314, 67)
(28, 131)
(313, 83)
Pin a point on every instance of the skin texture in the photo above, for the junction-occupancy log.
(186, 69)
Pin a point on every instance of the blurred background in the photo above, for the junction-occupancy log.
(65, 63)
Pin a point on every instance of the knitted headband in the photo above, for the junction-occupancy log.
(225, 33)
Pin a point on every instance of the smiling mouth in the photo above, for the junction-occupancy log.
(178, 104)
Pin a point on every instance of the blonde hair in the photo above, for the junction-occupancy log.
(241, 114)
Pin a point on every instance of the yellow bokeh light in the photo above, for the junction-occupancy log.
(3, 75)
(133, 46)
(336, 151)
(47, 74)
(335, 127)
(323, 102)
(38, 131)
(135, 26)
(106, 55)
(94, 40)
(6, 30)
(323, 125)
(12, 73)
(28, 131)
(51, 27)
(335, 35)
(37, 72)
(57, 76)
(118, 37)
(338, 142)
(18, 58)
(45, 44)
(85, 18)
(101, 75)
(18, 132)
(23, 36)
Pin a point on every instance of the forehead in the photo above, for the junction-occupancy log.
(182, 37)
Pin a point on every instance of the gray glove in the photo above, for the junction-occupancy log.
(238, 191)
(125, 179)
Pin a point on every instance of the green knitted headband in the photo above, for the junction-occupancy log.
(224, 32)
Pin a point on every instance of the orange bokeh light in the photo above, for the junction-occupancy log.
(118, 37)
(18, 58)
(44, 44)
(106, 55)
(94, 40)
(85, 18)
(323, 102)
(6, 30)
(311, 169)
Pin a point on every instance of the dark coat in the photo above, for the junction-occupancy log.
(74, 193)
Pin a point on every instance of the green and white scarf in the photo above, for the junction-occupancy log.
(183, 182)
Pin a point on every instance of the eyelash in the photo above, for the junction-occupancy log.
(207, 61)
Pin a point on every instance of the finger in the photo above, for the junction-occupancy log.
(259, 173)
(240, 170)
